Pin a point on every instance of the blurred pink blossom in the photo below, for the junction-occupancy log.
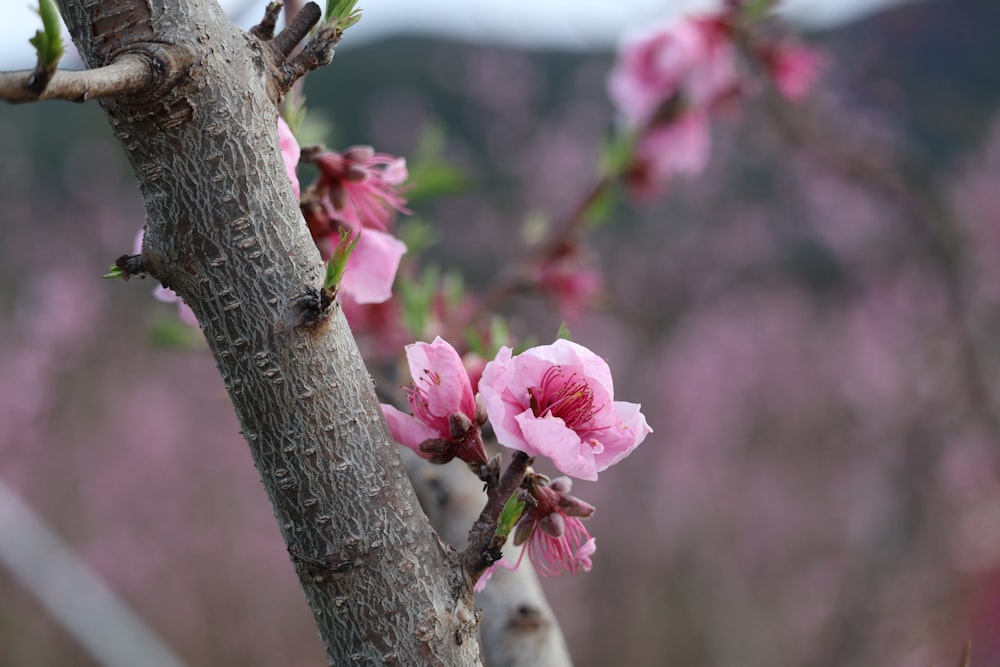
(569, 281)
(794, 69)
(678, 148)
(361, 188)
(667, 79)
(290, 153)
(558, 401)
(443, 424)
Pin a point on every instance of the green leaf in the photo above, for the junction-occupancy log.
(510, 515)
(48, 41)
(564, 332)
(342, 12)
(338, 262)
(430, 175)
(114, 271)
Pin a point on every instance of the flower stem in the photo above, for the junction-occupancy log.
(484, 544)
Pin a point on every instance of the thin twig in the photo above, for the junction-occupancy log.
(482, 536)
(129, 73)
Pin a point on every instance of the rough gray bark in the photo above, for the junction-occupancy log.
(224, 231)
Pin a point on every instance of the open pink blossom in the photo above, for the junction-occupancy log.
(443, 422)
(558, 401)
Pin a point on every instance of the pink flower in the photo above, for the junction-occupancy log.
(362, 187)
(569, 281)
(677, 65)
(290, 153)
(794, 68)
(443, 422)
(357, 191)
(165, 295)
(678, 148)
(667, 81)
(555, 538)
(371, 268)
(558, 401)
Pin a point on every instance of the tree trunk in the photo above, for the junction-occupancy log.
(224, 231)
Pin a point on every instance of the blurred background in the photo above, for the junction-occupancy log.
(816, 351)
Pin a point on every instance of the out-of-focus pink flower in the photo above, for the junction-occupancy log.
(678, 148)
(671, 67)
(290, 153)
(794, 69)
(555, 538)
(666, 82)
(569, 281)
(161, 293)
(558, 401)
(443, 424)
(362, 188)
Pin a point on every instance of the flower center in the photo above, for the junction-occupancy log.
(567, 397)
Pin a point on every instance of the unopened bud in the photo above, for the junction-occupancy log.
(459, 424)
(437, 450)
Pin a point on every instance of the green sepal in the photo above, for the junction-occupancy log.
(510, 515)
(338, 262)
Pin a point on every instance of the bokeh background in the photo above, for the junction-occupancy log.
(820, 367)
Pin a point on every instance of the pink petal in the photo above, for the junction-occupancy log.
(407, 429)
(549, 436)
(371, 268)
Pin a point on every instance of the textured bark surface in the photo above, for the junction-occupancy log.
(224, 231)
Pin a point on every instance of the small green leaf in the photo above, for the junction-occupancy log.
(338, 262)
(510, 515)
(342, 13)
(114, 271)
(430, 175)
(564, 333)
(48, 41)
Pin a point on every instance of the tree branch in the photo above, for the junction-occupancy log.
(130, 73)
(518, 627)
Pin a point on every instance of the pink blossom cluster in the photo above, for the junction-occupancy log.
(552, 400)
(670, 78)
(358, 191)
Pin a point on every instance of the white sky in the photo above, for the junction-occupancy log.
(572, 24)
